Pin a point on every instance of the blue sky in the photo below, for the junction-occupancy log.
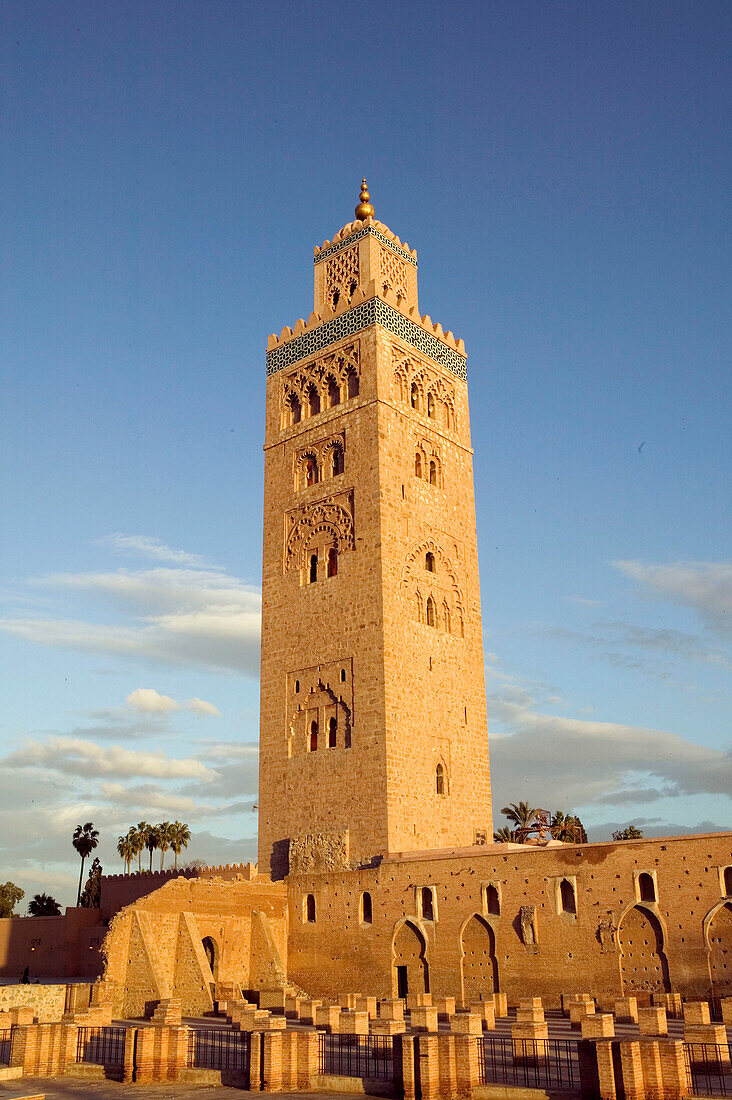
(562, 170)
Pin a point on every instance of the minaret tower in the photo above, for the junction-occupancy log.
(373, 723)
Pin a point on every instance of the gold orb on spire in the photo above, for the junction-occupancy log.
(364, 209)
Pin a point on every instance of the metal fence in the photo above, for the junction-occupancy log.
(6, 1035)
(104, 1046)
(710, 1066)
(220, 1048)
(357, 1055)
(530, 1063)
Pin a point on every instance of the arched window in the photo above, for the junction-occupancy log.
(313, 742)
(429, 562)
(428, 909)
(332, 732)
(352, 384)
(567, 896)
(295, 409)
(440, 779)
(492, 901)
(646, 887)
(297, 686)
(332, 561)
(366, 908)
(446, 618)
(310, 909)
(343, 675)
(431, 616)
(414, 396)
(337, 461)
(313, 568)
(418, 465)
(209, 950)
(727, 881)
(433, 472)
(420, 608)
(431, 405)
(334, 393)
(314, 402)
(311, 471)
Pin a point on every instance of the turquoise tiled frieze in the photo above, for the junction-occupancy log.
(374, 311)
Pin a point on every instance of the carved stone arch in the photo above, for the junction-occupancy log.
(478, 960)
(416, 557)
(327, 518)
(301, 468)
(331, 449)
(717, 928)
(321, 697)
(409, 954)
(643, 961)
(401, 370)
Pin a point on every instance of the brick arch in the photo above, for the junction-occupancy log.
(409, 959)
(327, 519)
(718, 940)
(643, 961)
(478, 961)
(443, 584)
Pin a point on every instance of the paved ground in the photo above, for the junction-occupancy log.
(67, 1089)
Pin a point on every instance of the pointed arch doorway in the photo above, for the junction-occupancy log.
(411, 972)
(478, 959)
(643, 962)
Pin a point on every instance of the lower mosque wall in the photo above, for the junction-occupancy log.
(631, 916)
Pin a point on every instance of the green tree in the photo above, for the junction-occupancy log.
(503, 835)
(10, 895)
(180, 836)
(631, 833)
(568, 828)
(164, 831)
(85, 840)
(137, 836)
(43, 905)
(92, 893)
(126, 849)
(152, 840)
(522, 815)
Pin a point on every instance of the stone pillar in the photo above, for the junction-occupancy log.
(579, 1011)
(466, 1023)
(626, 1010)
(708, 1044)
(328, 1017)
(162, 1053)
(529, 1042)
(651, 1067)
(273, 1000)
(309, 1008)
(445, 1006)
(675, 1071)
(365, 1004)
(418, 1000)
(486, 1011)
(392, 1010)
(348, 1000)
(467, 1064)
(423, 1018)
(272, 1061)
(531, 1003)
(405, 1071)
(21, 1016)
(387, 1027)
(500, 1003)
(307, 1059)
(353, 1022)
(598, 1026)
(530, 1016)
(427, 1050)
(606, 1071)
(696, 1012)
(632, 1068)
(128, 1073)
(292, 1007)
(652, 1021)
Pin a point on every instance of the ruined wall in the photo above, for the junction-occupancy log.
(121, 890)
(47, 1001)
(522, 936)
(52, 947)
(157, 948)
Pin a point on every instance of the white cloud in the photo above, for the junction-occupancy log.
(145, 546)
(150, 701)
(190, 617)
(200, 706)
(705, 587)
(79, 757)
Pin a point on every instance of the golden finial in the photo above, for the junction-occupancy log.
(364, 209)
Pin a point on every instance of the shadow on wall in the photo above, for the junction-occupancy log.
(52, 947)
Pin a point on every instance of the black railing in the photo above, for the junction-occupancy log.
(6, 1036)
(530, 1063)
(104, 1046)
(710, 1068)
(357, 1055)
(219, 1048)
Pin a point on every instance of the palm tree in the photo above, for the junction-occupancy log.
(180, 834)
(568, 828)
(126, 849)
(152, 840)
(140, 840)
(503, 835)
(43, 905)
(521, 814)
(631, 833)
(163, 831)
(85, 840)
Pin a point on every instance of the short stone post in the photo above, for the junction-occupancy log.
(626, 1010)
(391, 1010)
(632, 1067)
(671, 1002)
(128, 1072)
(292, 1007)
(348, 1000)
(529, 1042)
(467, 1064)
(418, 1000)
(696, 1012)
(486, 1011)
(21, 1016)
(726, 1004)
(708, 1045)
(445, 1006)
(600, 1025)
(272, 1061)
(353, 1022)
(579, 1011)
(605, 1071)
(328, 1017)
(380, 1026)
(651, 1067)
(500, 1003)
(307, 1059)
(466, 1023)
(423, 1018)
(405, 1054)
(308, 1010)
(427, 1050)
(675, 1072)
(365, 1004)
(273, 1000)
(652, 1020)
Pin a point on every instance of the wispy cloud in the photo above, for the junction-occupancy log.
(147, 546)
(150, 701)
(85, 758)
(705, 587)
